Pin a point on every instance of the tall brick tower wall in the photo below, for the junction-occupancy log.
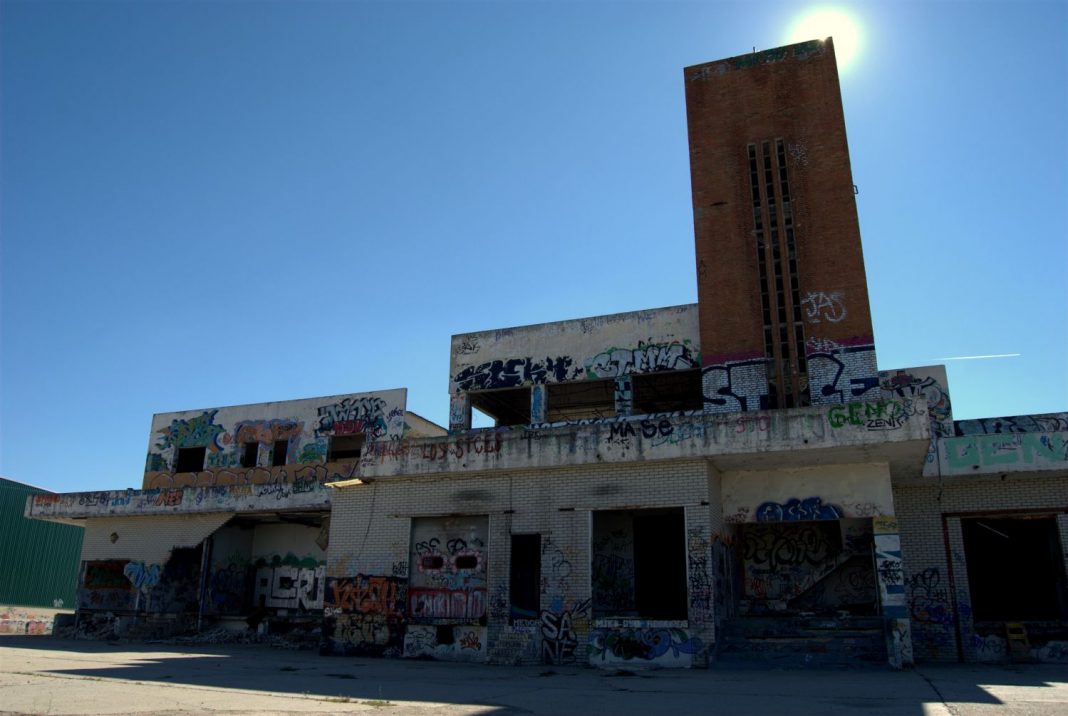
(782, 295)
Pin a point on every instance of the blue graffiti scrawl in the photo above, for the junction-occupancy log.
(795, 510)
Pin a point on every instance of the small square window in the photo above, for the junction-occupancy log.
(190, 459)
(278, 457)
(345, 448)
(250, 454)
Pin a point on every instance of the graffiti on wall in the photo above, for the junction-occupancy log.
(559, 637)
(698, 574)
(200, 431)
(448, 582)
(822, 306)
(1004, 451)
(456, 643)
(105, 586)
(354, 415)
(913, 383)
(795, 510)
(666, 646)
(365, 614)
(646, 358)
(1048, 423)
(515, 372)
(290, 587)
(735, 386)
(873, 414)
(840, 373)
(143, 577)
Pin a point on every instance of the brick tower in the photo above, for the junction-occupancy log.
(782, 295)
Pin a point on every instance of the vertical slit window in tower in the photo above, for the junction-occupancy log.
(798, 337)
(762, 262)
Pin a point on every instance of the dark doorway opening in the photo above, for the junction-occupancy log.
(1015, 568)
(525, 577)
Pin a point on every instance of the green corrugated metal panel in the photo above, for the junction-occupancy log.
(38, 560)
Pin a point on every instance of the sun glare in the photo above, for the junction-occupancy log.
(821, 23)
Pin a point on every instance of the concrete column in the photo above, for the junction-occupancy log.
(891, 579)
(538, 403)
(459, 412)
(624, 396)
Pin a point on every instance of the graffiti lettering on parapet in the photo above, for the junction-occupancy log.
(142, 577)
(736, 386)
(842, 373)
(795, 510)
(368, 594)
(647, 428)
(822, 306)
(647, 357)
(1049, 423)
(516, 371)
(647, 644)
(558, 638)
(265, 431)
(354, 415)
(787, 547)
(433, 603)
(489, 444)
(873, 414)
(906, 385)
(200, 431)
(468, 345)
(1037, 449)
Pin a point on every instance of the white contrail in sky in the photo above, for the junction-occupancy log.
(996, 355)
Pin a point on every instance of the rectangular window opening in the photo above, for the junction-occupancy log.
(250, 454)
(510, 406)
(345, 448)
(278, 455)
(580, 400)
(667, 391)
(190, 459)
(639, 564)
(524, 583)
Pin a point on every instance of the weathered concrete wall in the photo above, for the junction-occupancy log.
(305, 425)
(599, 347)
(300, 494)
(827, 492)
(867, 423)
(377, 599)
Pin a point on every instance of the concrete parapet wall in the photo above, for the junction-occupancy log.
(860, 424)
(1000, 453)
(178, 500)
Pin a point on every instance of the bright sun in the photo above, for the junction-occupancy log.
(828, 22)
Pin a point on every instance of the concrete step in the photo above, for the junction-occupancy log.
(803, 641)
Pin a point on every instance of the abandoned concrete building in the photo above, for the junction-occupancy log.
(729, 480)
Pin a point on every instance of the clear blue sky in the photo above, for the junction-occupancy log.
(210, 203)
